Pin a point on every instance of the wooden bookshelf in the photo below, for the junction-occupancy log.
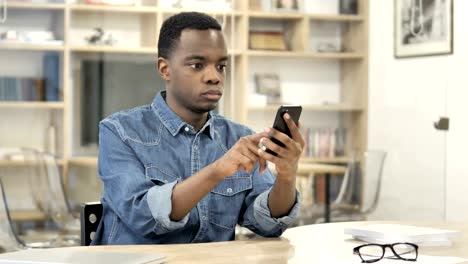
(353, 66)
(88, 161)
(27, 215)
(30, 5)
(32, 105)
(109, 8)
(318, 108)
(108, 49)
(31, 47)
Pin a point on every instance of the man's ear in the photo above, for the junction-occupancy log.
(163, 68)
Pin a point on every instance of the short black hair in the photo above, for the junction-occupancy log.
(173, 26)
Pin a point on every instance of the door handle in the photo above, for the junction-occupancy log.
(442, 124)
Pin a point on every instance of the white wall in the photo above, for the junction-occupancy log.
(405, 97)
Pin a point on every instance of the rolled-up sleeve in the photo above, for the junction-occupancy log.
(140, 203)
(257, 216)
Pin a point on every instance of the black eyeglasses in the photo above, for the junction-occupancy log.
(370, 253)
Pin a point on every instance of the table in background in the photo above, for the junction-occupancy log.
(308, 169)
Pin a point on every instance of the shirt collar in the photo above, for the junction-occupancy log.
(173, 122)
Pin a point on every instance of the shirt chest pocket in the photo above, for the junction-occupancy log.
(227, 199)
(159, 176)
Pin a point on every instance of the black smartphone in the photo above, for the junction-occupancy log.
(279, 124)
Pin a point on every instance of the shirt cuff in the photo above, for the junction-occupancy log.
(159, 200)
(263, 216)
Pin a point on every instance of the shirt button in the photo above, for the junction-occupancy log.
(229, 190)
(204, 218)
(186, 129)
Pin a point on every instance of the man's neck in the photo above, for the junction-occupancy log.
(197, 120)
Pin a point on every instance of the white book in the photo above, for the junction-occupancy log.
(392, 233)
(76, 255)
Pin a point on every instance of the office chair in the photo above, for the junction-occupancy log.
(90, 216)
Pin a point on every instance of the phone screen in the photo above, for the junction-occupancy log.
(279, 124)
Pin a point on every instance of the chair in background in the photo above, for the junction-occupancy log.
(90, 216)
(47, 188)
(349, 205)
(9, 240)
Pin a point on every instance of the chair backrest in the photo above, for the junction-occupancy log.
(9, 240)
(48, 191)
(372, 180)
(90, 216)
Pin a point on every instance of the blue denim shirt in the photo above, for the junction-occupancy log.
(145, 151)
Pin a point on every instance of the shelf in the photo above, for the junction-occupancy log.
(319, 108)
(109, 49)
(275, 15)
(32, 105)
(27, 215)
(325, 160)
(84, 161)
(172, 11)
(32, 47)
(44, 6)
(311, 55)
(21, 163)
(336, 18)
(110, 8)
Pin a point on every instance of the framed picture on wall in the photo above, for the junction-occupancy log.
(423, 27)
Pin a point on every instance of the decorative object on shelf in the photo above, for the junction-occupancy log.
(204, 5)
(286, 5)
(267, 40)
(423, 27)
(328, 47)
(29, 37)
(112, 2)
(100, 38)
(348, 7)
(269, 84)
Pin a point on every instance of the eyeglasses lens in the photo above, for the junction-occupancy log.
(405, 251)
(371, 252)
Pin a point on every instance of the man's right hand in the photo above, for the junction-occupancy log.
(243, 155)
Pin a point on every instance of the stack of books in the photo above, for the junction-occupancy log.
(394, 233)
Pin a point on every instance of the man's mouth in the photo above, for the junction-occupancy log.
(212, 95)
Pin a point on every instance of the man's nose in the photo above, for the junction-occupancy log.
(212, 76)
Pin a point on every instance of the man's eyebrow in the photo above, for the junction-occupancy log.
(225, 58)
(195, 57)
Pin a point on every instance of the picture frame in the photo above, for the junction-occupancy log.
(423, 28)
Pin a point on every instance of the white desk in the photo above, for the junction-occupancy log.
(305, 244)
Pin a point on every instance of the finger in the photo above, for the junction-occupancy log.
(267, 156)
(269, 144)
(255, 138)
(281, 137)
(263, 165)
(245, 162)
(295, 133)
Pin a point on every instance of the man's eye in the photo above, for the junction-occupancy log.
(222, 67)
(196, 65)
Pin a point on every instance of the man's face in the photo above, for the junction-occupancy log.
(197, 69)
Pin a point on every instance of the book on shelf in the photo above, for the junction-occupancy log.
(51, 76)
(324, 142)
(22, 89)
